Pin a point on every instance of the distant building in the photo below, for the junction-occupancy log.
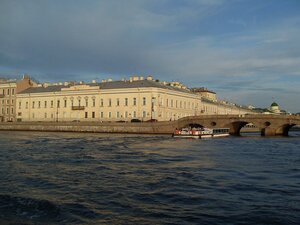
(274, 108)
(137, 98)
(205, 93)
(8, 91)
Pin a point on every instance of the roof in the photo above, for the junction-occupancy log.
(42, 89)
(202, 89)
(108, 85)
(274, 104)
(2, 81)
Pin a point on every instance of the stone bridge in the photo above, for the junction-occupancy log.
(269, 125)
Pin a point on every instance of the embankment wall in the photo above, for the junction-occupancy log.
(108, 127)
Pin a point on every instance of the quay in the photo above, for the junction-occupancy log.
(268, 125)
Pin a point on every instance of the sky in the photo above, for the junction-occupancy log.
(247, 51)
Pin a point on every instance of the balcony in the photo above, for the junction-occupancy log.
(78, 107)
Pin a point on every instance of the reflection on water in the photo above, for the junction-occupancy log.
(74, 178)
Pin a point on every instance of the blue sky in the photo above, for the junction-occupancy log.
(248, 51)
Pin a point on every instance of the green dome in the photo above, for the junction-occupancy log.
(274, 104)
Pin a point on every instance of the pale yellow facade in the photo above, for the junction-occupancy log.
(90, 102)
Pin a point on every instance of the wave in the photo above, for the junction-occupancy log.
(15, 208)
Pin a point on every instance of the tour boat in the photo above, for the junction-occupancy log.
(201, 132)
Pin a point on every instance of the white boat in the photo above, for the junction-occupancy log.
(201, 133)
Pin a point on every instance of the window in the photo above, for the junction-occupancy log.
(86, 114)
(118, 114)
(26, 105)
(86, 102)
(20, 104)
(7, 91)
(101, 114)
(13, 91)
(45, 104)
(39, 104)
(144, 101)
(79, 102)
(101, 102)
(12, 110)
(134, 101)
(58, 103)
(172, 103)
(19, 114)
(118, 102)
(94, 102)
(51, 104)
(109, 114)
(144, 114)
(72, 102)
(109, 102)
(65, 104)
(33, 103)
(126, 101)
(7, 110)
(93, 114)
(134, 114)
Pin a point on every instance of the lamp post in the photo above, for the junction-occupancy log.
(152, 107)
(57, 104)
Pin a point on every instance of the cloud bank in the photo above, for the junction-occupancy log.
(233, 47)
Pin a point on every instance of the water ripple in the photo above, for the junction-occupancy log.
(70, 178)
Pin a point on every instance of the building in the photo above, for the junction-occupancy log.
(136, 98)
(274, 108)
(205, 93)
(8, 91)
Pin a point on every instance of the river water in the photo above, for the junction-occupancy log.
(80, 178)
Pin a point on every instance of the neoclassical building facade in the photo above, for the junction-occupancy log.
(8, 93)
(137, 98)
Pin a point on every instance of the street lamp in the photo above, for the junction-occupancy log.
(57, 104)
(152, 107)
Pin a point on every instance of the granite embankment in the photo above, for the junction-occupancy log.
(95, 127)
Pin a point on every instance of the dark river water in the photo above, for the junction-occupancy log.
(75, 178)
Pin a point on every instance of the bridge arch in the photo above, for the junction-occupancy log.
(284, 129)
(236, 126)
